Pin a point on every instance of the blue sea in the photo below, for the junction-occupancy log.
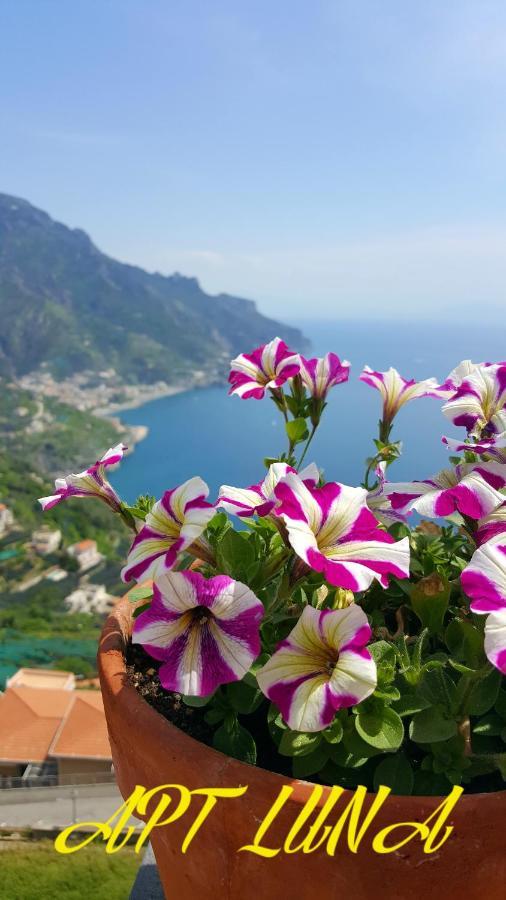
(224, 439)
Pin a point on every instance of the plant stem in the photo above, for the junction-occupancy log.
(311, 436)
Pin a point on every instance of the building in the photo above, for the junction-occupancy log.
(46, 540)
(43, 678)
(89, 598)
(52, 731)
(86, 554)
(6, 519)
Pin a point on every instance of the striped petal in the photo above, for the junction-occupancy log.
(174, 524)
(320, 374)
(495, 639)
(90, 483)
(268, 366)
(320, 668)
(484, 579)
(334, 532)
(473, 490)
(396, 391)
(479, 401)
(205, 631)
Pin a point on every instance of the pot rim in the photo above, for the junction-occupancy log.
(111, 664)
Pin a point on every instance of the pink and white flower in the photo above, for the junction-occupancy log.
(267, 367)
(478, 403)
(493, 446)
(90, 483)
(334, 532)
(173, 525)
(380, 503)
(484, 579)
(320, 374)
(472, 489)
(490, 525)
(396, 391)
(205, 631)
(260, 499)
(321, 667)
(495, 639)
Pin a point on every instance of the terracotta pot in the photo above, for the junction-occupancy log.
(149, 751)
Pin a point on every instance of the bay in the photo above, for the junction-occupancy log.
(224, 439)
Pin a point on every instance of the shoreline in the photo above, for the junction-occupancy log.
(111, 409)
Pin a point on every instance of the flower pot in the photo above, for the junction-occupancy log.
(147, 750)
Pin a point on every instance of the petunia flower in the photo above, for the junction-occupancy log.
(472, 489)
(478, 403)
(493, 446)
(269, 366)
(396, 391)
(495, 639)
(484, 579)
(322, 666)
(380, 503)
(320, 374)
(174, 524)
(490, 525)
(334, 532)
(204, 631)
(90, 483)
(260, 499)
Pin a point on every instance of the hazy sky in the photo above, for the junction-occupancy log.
(332, 157)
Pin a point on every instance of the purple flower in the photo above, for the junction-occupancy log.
(204, 631)
(479, 401)
(484, 579)
(472, 489)
(320, 374)
(334, 532)
(173, 525)
(321, 667)
(493, 446)
(90, 483)
(267, 367)
(260, 499)
(396, 391)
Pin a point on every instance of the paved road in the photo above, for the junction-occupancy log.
(58, 806)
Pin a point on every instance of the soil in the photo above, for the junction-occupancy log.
(142, 672)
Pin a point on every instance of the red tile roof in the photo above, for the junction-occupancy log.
(36, 723)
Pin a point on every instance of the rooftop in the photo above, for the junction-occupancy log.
(42, 678)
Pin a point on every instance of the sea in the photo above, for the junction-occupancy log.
(224, 439)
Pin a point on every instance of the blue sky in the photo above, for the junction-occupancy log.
(332, 158)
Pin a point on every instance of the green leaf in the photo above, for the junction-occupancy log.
(500, 704)
(302, 766)
(380, 727)
(430, 726)
(429, 599)
(236, 742)
(244, 698)
(396, 773)
(334, 733)
(298, 743)
(409, 703)
(144, 592)
(297, 431)
(465, 643)
(437, 687)
(234, 552)
(196, 702)
(490, 724)
(483, 694)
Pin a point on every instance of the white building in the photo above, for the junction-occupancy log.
(6, 519)
(89, 598)
(86, 554)
(45, 540)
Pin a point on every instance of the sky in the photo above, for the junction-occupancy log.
(338, 158)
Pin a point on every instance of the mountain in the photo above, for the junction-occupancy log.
(65, 303)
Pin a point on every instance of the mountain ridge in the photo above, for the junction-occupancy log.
(66, 304)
